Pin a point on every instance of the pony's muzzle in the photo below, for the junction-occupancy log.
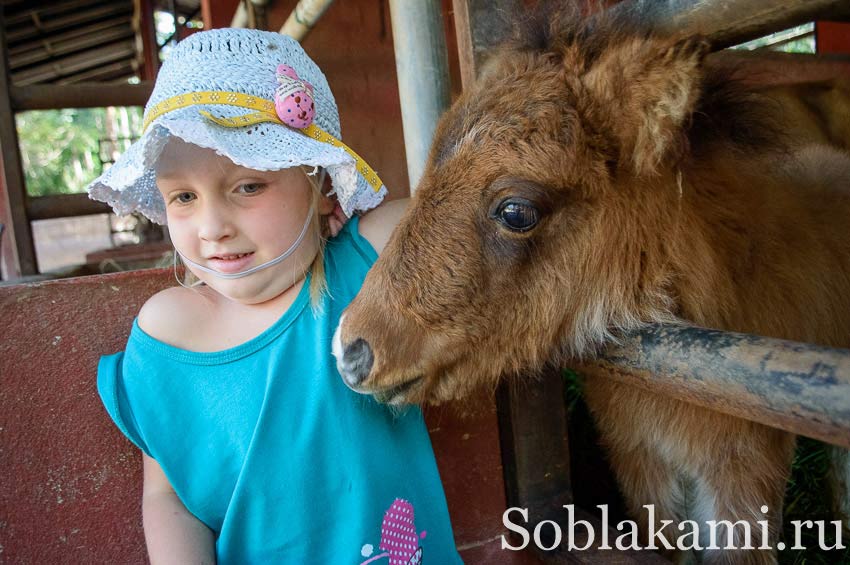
(356, 362)
(353, 361)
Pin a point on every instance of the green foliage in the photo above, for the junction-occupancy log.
(572, 388)
(808, 498)
(800, 39)
(61, 149)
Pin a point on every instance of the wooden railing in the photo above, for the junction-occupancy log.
(22, 208)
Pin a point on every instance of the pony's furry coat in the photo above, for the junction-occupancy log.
(656, 190)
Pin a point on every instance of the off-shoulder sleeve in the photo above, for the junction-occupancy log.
(113, 394)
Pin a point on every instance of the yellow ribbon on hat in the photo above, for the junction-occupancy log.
(264, 112)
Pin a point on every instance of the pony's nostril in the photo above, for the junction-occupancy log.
(356, 362)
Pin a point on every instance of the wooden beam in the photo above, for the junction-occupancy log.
(480, 25)
(534, 444)
(101, 10)
(49, 96)
(19, 233)
(77, 63)
(764, 67)
(114, 74)
(303, 17)
(88, 37)
(797, 387)
(64, 206)
(729, 22)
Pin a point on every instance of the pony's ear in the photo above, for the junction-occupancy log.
(642, 92)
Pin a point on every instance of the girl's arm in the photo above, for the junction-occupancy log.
(377, 225)
(172, 533)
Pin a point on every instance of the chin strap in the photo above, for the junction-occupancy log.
(265, 265)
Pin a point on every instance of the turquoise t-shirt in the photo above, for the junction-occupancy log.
(266, 445)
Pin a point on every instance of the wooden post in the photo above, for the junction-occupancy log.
(147, 31)
(532, 413)
(8, 261)
(18, 234)
(534, 444)
(480, 25)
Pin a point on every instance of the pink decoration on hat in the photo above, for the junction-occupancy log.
(398, 534)
(293, 98)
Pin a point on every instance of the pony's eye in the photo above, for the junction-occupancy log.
(518, 215)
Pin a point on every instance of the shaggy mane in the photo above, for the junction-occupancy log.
(728, 111)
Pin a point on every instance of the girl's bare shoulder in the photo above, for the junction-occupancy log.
(177, 315)
(377, 225)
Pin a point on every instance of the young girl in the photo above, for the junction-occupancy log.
(254, 449)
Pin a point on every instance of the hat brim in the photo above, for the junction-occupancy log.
(129, 185)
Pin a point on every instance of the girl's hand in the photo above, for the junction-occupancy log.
(336, 219)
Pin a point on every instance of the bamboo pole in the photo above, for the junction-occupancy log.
(304, 17)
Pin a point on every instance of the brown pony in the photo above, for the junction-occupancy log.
(595, 179)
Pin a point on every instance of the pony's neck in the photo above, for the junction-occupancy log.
(723, 247)
(677, 239)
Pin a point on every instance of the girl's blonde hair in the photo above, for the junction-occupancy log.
(318, 281)
(318, 228)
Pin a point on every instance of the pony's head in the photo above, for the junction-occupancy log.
(539, 223)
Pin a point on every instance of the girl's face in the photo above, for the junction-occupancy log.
(229, 218)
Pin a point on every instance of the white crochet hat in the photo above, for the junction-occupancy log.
(223, 90)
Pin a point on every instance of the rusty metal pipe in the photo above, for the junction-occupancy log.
(797, 387)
